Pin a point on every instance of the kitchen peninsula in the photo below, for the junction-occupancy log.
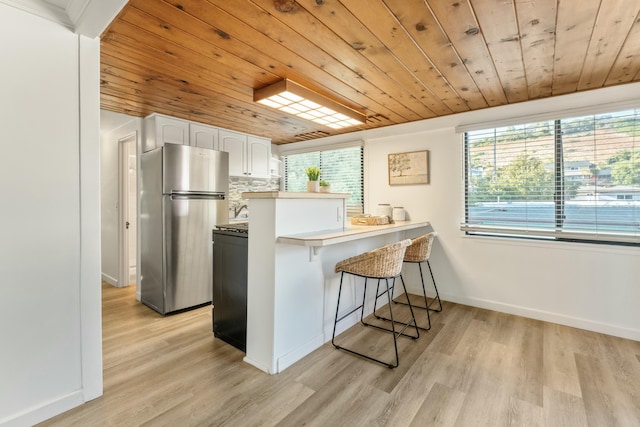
(296, 239)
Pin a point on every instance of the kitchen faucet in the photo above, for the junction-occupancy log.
(238, 209)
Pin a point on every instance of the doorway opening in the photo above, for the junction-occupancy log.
(128, 209)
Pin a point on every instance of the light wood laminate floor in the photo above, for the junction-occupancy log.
(474, 368)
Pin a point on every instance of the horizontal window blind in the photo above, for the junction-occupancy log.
(573, 178)
(342, 168)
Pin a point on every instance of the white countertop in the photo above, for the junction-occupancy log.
(349, 233)
(292, 195)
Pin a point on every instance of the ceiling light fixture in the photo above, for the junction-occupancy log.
(299, 101)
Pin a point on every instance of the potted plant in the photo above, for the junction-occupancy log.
(313, 173)
(325, 187)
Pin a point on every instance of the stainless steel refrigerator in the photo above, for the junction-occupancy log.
(183, 197)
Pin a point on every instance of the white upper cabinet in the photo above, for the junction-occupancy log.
(160, 130)
(203, 136)
(234, 143)
(258, 157)
(249, 155)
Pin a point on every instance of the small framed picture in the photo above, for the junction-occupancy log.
(409, 168)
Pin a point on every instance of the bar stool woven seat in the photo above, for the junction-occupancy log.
(420, 248)
(418, 252)
(382, 264)
(378, 263)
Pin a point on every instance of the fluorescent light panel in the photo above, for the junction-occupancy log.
(299, 101)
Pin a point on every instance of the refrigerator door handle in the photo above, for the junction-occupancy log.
(194, 195)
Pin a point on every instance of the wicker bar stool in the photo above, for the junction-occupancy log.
(417, 253)
(382, 263)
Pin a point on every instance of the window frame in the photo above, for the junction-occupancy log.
(353, 209)
(581, 235)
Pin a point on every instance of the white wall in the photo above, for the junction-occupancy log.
(589, 286)
(114, 127)
(49, 223)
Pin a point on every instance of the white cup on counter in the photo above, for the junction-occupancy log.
(398, 213)
(384, 209)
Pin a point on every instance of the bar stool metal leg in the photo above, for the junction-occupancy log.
(335, 322)
(439, 309)
(389, 293)
(426, 306)
(395, 334)
(411, 306)
(364, 298)
(418, 252)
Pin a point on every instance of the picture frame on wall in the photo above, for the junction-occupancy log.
(409, 168)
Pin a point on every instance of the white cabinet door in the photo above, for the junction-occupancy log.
(172, 131)
(203, 136)
(234, 143)
(160, 130)
(258, 157)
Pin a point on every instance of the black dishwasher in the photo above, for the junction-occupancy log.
(230, 247)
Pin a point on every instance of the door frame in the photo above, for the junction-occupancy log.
(123, 206)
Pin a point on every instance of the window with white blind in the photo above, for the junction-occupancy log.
(341, 167)
(568, 179)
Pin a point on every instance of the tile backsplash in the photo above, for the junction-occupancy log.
(238, 185)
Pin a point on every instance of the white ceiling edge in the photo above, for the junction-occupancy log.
(85, 17)
(74, 8)
(110, 120)
(42, 9)
(97, 15)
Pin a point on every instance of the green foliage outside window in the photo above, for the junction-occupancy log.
(341, 167)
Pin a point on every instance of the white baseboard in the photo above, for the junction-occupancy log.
(298, 353)
(547, 316)
(43, 412)
(263, 368)
(110, 280)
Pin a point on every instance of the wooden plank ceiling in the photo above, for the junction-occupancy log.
(399, 60)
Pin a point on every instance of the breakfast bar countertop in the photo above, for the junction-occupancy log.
(348, 233)
(292, 195)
